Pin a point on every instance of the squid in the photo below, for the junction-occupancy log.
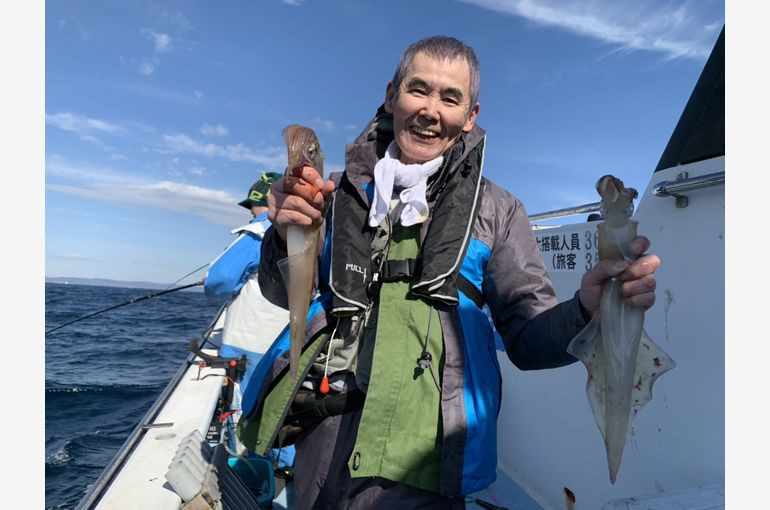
(622, 361)
(301, 241)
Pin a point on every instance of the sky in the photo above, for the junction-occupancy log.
(160, 115)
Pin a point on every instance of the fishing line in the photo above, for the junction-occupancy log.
(188, 274)
(134, 300)
(210, 329)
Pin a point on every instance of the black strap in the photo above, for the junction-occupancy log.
(394, 270)
(313, 409)
(470, 290)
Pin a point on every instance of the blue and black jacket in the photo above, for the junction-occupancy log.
(476, 233)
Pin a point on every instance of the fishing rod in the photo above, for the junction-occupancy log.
(188, 274)
(133, 300)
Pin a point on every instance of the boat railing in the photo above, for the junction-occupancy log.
(567, 211)
(675, 189)
(684, 184)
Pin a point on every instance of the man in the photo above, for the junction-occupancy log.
(417, 242)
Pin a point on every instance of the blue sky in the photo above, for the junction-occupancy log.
(159, 115)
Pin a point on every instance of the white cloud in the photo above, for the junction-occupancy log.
(674, 30)
(215, 206)
(84, 127)
(147, 89)
(73, 24)
(327, 125)
(146, 66)
(79, 124)
(58, 167)
(98, 142)
(273, 158)
(161, 41)
(214, 130)
(74, 256)
(108, 185)
(180, 22)
(175, 20)
(198, 94)
(294, 3)
(198, 170)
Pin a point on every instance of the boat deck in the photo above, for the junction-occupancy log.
(141, 482)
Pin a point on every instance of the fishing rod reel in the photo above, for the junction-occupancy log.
(234, 370)
(234, 367)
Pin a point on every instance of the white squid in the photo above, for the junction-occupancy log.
(622, 361)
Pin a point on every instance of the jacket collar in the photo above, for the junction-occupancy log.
(370, 145)
(454, 197)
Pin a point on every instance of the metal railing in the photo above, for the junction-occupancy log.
(684, 184)
(675, 189)
(568, 211)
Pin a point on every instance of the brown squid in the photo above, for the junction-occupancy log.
(301, 241)
(621, 360)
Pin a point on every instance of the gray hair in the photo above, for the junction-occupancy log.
(441, 48)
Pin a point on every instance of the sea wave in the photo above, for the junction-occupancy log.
(58, 387)
(102, 375)
(59, 457)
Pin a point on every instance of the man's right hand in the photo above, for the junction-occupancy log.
(298, 200)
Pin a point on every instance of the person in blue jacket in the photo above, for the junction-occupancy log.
(251, 323)
(229, 272)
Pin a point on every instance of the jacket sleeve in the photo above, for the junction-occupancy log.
(270, 279)
(229, 272)
(535, 328)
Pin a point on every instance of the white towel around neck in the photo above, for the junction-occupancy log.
(390, 172)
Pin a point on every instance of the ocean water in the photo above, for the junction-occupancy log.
(102, 374)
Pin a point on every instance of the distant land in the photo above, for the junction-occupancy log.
(103, 282)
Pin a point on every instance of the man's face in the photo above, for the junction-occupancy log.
(256, 210)
(431, 108)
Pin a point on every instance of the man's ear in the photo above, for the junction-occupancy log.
(471, 118)
(389, 93)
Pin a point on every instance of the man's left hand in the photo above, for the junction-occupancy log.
(638, 285)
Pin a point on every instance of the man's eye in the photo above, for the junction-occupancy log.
(451, 101)
(419, 92)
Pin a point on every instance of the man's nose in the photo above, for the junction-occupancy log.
(430, 108)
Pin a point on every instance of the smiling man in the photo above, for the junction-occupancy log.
(417, 242)
(431, 106)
